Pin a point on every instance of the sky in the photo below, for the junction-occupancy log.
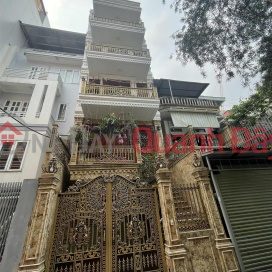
(160, 22)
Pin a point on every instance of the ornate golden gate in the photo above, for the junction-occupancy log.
(105, 225)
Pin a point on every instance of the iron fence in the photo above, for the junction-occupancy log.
(9, 195)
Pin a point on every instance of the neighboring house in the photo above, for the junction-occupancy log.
(12, 37)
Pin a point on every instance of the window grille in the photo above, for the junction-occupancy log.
(9, 195)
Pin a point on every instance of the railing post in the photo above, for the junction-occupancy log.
(83, 86)
(74, 152)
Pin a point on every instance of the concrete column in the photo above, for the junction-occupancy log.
(48, 102)
(175, 252)
(227, 256)
(35, 101)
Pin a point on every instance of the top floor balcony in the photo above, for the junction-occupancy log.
(107, 20)
(123, 10)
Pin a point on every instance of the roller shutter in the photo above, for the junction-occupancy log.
(247, 196)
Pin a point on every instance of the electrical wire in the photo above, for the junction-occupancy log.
(23, 124)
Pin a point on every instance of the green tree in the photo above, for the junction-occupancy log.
(235, 36)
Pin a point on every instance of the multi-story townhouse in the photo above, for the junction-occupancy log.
(87, 209)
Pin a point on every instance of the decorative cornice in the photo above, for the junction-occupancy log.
(126, 104)
(96, 56)
(113, 26)
(117, 5)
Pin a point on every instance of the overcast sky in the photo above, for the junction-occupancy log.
(160, 22)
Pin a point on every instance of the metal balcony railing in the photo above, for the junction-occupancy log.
(14, 114)
(122, 154)
(108, 90)
(116, 50)
(29, 74)
(100, 19)
(180, 101)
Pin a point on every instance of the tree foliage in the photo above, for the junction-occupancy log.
(235, 36)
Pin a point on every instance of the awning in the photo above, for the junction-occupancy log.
(196, 120)
(179, 88)
(54, 39)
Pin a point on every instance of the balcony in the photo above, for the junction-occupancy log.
(117, 155)
(100, 19)
(123, 10)
(124, 34)
(187, 102)
(32, 74)
(116, 50)
(104, 90)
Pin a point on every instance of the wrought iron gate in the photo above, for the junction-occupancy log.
(107, 224)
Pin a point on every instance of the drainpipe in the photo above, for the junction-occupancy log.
(225, 215)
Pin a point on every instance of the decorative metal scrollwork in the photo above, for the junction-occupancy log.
(109, 177)
(79, 182)
(79, 235)
(136, 229)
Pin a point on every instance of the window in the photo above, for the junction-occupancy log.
(62, 112)
(38, 72)
(11, 156)
(75, 77)
(62, 75)
(17, 108)
(69, 76)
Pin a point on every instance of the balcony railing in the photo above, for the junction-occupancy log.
(92, 17)
(194, 102)
(116, 155)
(30, 74)
(116, 50)
(107, 90)
(14, 114)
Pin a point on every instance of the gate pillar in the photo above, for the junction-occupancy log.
(38, 237)
(224, 246)
(175, 252)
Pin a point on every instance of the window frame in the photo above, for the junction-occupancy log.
(57, 120)
(11, 155)
(72, 77)
(20, 107)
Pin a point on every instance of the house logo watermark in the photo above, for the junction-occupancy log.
(8, 139)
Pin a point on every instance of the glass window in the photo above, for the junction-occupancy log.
(18, 156)
(25, 106)
(15, 105)
(68, 78)
(62, 112)
(62, 75)
(4, 155)
(6, 105)
(76, 77)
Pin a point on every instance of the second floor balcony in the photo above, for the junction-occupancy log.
(121, 91)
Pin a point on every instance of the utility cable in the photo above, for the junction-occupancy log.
(23, 124)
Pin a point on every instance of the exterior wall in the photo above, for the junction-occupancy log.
(11, 35)
(33, 159)
(69, 94)
(4, 96)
